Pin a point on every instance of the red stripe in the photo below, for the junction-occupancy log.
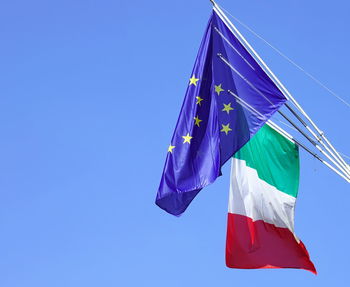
(257, 244)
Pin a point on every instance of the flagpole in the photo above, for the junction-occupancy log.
(288, 136)
(247, 106)
(286, 93)
(336, 163)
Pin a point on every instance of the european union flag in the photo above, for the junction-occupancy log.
(228, 98)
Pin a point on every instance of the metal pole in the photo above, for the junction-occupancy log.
(315, 144)
(253, 110)
(283, 89)
(288, 136)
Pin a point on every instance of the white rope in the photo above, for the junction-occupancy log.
(289, 126)
(344, 155)
(289, 59)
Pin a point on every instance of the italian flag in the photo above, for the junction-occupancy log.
(263, 191)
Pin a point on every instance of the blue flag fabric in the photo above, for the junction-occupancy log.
(228, 98)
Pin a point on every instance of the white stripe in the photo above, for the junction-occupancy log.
(252, 197)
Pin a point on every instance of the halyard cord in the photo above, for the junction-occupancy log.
(289, 59)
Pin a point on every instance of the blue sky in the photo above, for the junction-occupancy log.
(90, 94)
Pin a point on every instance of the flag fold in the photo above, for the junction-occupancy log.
(228, 98)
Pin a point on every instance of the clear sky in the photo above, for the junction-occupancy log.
(90, 92)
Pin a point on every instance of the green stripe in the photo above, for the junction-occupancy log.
(275, 158)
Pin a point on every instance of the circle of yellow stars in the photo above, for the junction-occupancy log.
(227, 108)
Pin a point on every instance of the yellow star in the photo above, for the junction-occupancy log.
(170, 148)
(226, 128)
(193, 81)
(197, 121)
(218, 89)
(199, 99)
(187, 138)
(227, 108)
